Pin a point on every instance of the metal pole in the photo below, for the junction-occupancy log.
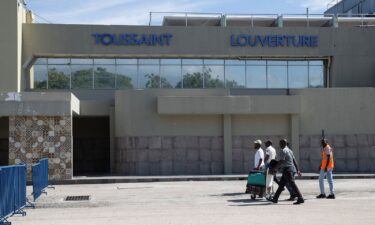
(149, 23)
(307, 17)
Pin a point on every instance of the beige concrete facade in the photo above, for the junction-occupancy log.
(190, 131)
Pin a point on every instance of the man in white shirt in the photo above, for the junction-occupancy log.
(270, 155)
(259, 155)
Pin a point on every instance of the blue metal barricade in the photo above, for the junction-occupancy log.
(12, 191)
(44, 177)
(40, 177)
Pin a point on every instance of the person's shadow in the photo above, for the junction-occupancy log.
(249, 202)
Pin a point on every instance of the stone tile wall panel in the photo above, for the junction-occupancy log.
(352, 153)
(34, 137)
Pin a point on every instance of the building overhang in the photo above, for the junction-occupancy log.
(38, 104)
(189, 105)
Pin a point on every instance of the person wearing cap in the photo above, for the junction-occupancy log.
(326, 169)
(270, 155)
(259, 155)
(289, 167)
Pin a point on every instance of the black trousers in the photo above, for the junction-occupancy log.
(286, 185)
(287, 179)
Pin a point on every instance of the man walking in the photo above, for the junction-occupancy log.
(326, 169)
(289, 167)
(270, 155)
(259, 155)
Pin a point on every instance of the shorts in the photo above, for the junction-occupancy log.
(269, 180)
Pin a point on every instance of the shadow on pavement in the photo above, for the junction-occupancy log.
(230, 194)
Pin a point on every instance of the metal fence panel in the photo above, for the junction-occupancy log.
(12, 190)
(39, 177)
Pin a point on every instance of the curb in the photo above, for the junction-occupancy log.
(140, 179)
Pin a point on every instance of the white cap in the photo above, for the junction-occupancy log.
(258, 142)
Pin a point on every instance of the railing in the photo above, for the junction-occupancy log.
(186, 18)
(12, 191)
(40, 178)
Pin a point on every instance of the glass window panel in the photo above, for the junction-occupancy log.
(58, 61)
(297, 63)
(277, 77)
(298, 77)
(171, 61)
(40, 61)
(149, 76)
(276, 62)
(40, 76)
(126, 76)
(104, 77)
(256, 77)
(256, 62)
(316, 63)
(104, 61)
(82, 77)
(171, 76)
(213, 76)
(235, 76)
(58, 77)
(234, 62)
(192, 76)
(82, 61)
(192, 61)
(316, 76)
(149, 61)
(214, 61)
(126, 61)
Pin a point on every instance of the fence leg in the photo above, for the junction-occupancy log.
(20, 212)
(5, 222)
(29, 204)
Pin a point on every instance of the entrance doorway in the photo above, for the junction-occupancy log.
(91, 146)
(4, 141)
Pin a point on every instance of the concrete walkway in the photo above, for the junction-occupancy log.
(200, 203)
(137, 179)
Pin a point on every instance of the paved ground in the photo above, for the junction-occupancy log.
(203, 202)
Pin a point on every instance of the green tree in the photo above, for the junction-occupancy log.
(234, 84)
(124, 81)
(58, 79)
(153, 81)
(189, 80)
(82, 78)
(104, 79)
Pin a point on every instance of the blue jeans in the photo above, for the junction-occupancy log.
(329, 178)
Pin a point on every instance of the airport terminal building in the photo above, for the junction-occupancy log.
(188, 96)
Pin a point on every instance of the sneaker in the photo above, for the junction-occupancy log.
(321, 196)
(299, 201)
(331, 196)
(272, 200)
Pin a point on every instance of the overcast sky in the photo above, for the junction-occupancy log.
(136, 12)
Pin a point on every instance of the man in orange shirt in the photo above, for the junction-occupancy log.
(326, 169)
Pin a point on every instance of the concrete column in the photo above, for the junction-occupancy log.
(294, 126)
(10, 45)
(227, 121)
(112, 138)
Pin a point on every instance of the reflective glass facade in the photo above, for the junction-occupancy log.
(64, 73)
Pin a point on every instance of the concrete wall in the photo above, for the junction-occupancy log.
(351, 49)
(12, 15)
(338, 110)
(149, 142)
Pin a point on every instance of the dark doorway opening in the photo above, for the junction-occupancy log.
(91, 146)
(4, 141)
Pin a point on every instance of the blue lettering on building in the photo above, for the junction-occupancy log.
(132, 39)
(243, 40)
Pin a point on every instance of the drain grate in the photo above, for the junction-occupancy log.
(78, 198)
